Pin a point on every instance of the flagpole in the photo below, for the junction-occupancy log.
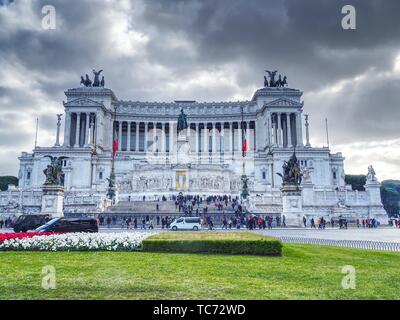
(111, 180)
(36, 131)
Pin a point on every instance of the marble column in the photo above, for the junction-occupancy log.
(231, 139)
(205, 140)
(78, 129)
(197, 137)
(214, 140)
(162, 137)
(87, 132)
(222, 139)
(137, 124)
(279, 131)
(288, 130)
(67, 129)
(119, 135)
(154, 136)
(248, 136)
(299, 130)
(171, 137)
(128, 137)
(146, 127)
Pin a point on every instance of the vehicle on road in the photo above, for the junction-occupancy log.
(186, 223)
(70, 225)
(27, 222)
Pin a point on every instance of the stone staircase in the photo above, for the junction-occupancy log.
(165, 207)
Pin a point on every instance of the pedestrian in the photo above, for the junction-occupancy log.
(312, 223)
(332, 223)
(108, 222)
(305, 221)
(283, 221)
(1, 224)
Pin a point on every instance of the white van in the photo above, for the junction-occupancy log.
(186, 223)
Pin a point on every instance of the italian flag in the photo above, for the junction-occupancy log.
(115, 143)
(244, 142)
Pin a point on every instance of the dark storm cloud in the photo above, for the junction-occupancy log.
(206, 50)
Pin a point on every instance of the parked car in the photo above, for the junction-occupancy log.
(70, 225)
(186, 223)
(27, 222)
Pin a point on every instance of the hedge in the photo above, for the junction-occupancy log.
(267, 247)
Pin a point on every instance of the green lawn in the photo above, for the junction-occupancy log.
(303, 272)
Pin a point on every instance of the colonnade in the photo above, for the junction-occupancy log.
(285, 129)
(211, 137)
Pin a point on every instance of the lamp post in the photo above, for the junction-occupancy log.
(111, 181)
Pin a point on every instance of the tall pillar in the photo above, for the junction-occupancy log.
(197, 136)
(307, 132)
(128, 137)
(67, 129)
(146, 127)
(163, 137)
(119, 135)
(137, 136)
(78, 129)
(171, 137)
(154, 138)
(231, 139)
(288, 130)
(214, 140)
(299, 130)
(222, 139)
(279, 131)
(87, 132)
(205, 140)
(57, 144)
(273, 129)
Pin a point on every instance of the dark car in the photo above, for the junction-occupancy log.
(30, 222)
(70, 225)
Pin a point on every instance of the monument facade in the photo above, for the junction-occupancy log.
(163, 148)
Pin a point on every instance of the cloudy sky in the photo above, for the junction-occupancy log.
(160, 50)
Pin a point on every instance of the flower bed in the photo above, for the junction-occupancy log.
(128, 241)
(22, 235)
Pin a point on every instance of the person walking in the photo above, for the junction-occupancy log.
(312, 223)
(305, 222)
(108, 222)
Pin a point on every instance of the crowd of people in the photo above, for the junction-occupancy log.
(6, 223)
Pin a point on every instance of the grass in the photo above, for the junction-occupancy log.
(213, 242)
(303, 272)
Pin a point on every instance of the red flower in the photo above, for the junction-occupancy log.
(21, 235)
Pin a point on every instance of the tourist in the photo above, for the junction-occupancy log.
(312, 223)
(1, 224)
(224, 224)
(305, 222)
(259, 222)
(332, 223)
(108, 222)
(283, 221)
(358, 223)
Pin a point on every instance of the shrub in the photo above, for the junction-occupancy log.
(252, 245)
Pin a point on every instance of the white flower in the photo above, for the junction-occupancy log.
(128, 241)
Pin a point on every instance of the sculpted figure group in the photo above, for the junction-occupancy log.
(280, 82)
(96, 82)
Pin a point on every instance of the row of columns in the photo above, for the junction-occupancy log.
(199, 129)
(78, 127)
(285, 129)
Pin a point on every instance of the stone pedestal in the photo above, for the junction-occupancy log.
(183, 148)
(53, 200)
(375, 208)
(292, 206)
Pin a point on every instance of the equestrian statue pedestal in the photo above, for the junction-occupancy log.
(53, 200)
(292, 206)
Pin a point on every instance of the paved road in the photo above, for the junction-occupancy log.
(379, 234)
